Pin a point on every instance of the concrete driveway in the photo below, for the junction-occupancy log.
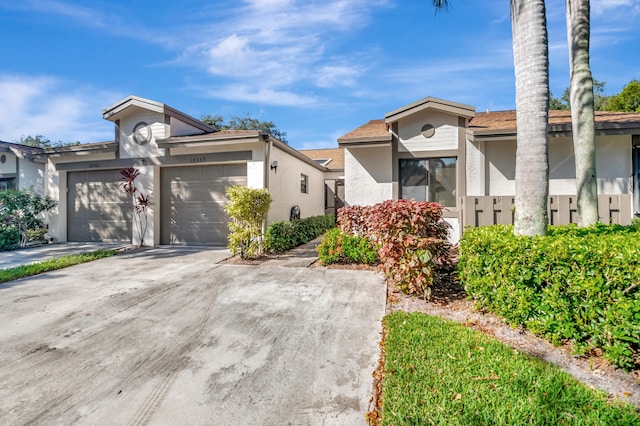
(168, 336)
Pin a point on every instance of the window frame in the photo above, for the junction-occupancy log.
(429, 172)
(304, 183)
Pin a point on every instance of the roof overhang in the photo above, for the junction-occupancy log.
(24, 152)
(557, 130)
(461, 110)
(364, 142)
(81, 150)
(116, 110)
(217, 138)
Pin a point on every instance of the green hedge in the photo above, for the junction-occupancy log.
(577, 284)
(337, 247)
(283, 236)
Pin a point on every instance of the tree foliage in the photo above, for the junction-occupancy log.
(245, 123)
(628, 99)
(40, 141)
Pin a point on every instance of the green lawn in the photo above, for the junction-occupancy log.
(10, 274)
(441, 373)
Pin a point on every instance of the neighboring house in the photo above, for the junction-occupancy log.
(186, 166)
(21, 167)
(333, 160)
(443, 151)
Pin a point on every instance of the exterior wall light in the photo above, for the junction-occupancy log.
(274, 166)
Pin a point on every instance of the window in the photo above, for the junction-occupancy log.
(7, 183)
(429, 179)
(304, 183)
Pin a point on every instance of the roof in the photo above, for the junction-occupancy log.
(334, 155)
(114, 111)
(503, 124)
(25, 152)
(485, 123)
(373, 131)
(449, 107)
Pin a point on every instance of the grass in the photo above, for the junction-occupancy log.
(10, 274)
(438, 372)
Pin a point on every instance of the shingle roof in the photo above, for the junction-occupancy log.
(506, 120)
(336, 155)
(374, 130)
(25, 149)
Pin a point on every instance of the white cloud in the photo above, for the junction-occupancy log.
(333, 75)
(262, 95)
(272, 45)
(46, 106)
(602, 7)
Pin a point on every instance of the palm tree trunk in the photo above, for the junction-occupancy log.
(531, 63)
(582, 116)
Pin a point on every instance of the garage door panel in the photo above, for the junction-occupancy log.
(238, 170)
(98, 209)
(193, 199)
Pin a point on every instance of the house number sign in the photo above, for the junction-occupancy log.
(200, 159)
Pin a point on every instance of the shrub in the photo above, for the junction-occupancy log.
(412, 236)
(248, 209)
(337, 247)
(281, 236)
(9, 237)
(21, 211)
(576, 284)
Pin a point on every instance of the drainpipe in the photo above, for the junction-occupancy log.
(267, 162)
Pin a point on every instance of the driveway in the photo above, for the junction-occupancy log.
(168, 336)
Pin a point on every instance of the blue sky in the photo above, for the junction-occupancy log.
(318, 69)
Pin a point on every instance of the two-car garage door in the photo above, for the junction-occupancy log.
(193, 199)
(192, 202)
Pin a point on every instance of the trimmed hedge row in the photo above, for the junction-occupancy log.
(577, 284)
(283, 236)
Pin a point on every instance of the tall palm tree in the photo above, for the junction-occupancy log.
(531, 62)
(582, 115)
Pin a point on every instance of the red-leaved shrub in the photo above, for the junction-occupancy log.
(412, 236)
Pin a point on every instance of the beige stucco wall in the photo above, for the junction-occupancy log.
(56, 184)
(613, 166)
(9, 166)
(444, 138)
(475, 171)
(146, 184)
(128, 147)
(284, 185)
(31, 176)
(180, 128)
(368, 177)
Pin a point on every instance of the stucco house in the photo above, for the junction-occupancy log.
(333, 160)
(442, 151)
(21, 167)
(186, 166)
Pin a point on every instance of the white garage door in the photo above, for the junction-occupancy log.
(97, 207)
(193, 199)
